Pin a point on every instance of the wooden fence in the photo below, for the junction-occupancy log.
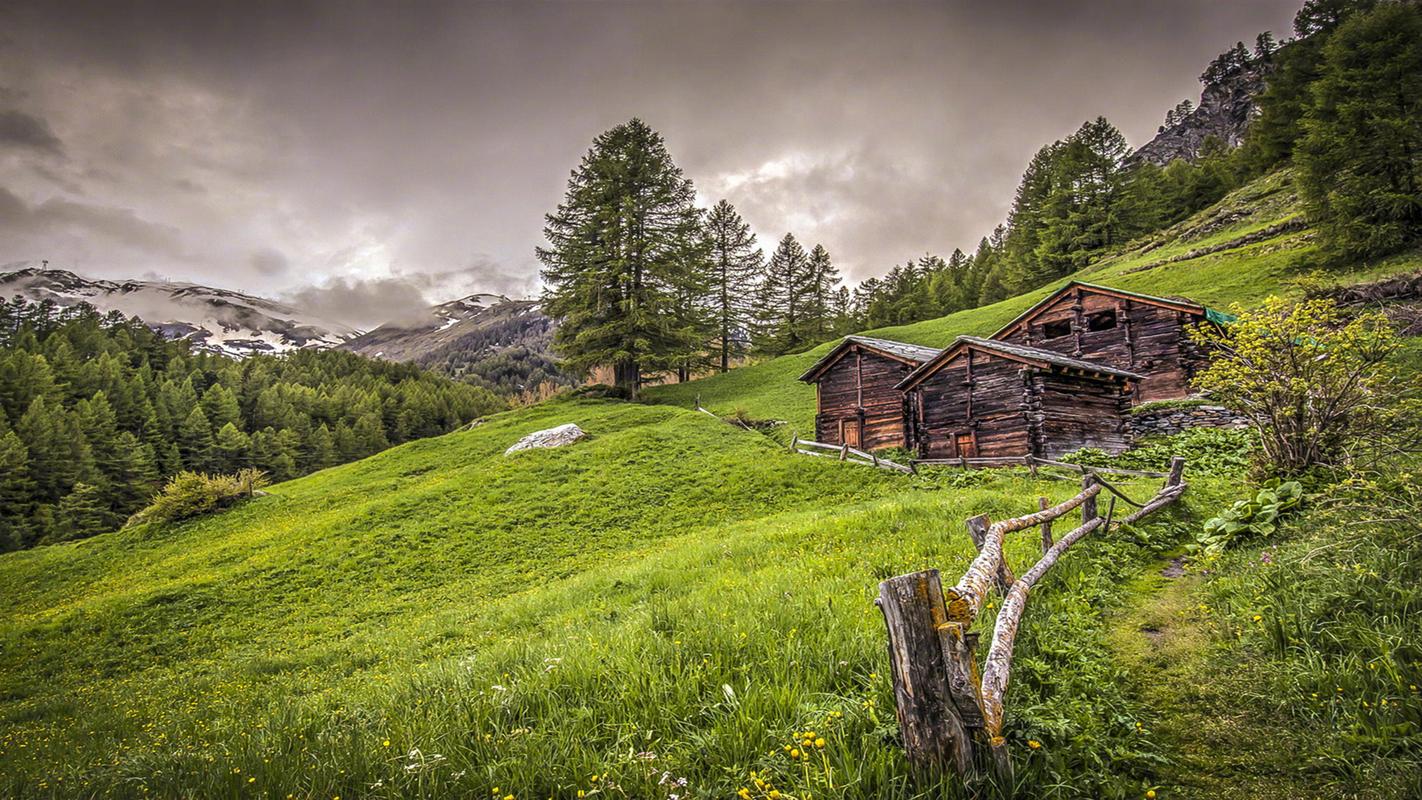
(950, 715)
(844, 453)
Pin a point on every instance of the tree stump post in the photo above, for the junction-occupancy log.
(934, 735)
(1088, 508)
(1043, 504)
(1177, 471)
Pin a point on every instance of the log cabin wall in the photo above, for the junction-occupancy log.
(1075, 411)
(1130, 334)
(977, 395)
(859, 390)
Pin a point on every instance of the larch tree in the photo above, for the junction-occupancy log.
(736, 263)
(781, 299)
(622, 247)
(821, 282)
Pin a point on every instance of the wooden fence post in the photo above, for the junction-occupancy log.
(794, 441)
(1088, 509)
(933, 731)
(844, 451)
(1043, 504)
(1177, 471)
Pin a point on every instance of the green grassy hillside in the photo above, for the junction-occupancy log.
(441, 619)
(1252, 244)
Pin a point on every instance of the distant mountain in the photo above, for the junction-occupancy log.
(1226, 108)
(215, 320)
(486, 339)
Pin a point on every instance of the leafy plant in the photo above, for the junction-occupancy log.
(1251, 517)
(192, 494)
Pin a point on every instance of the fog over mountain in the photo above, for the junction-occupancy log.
(365, 160)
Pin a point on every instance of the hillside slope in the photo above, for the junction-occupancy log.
(1251, 244)
(672, 595)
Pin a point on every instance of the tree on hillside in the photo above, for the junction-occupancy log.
(1086, 208)
(736, 263)
(821, 283)
(621, 247)
(782, 297)
(1360, 159)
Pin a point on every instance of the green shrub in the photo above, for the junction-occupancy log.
(1251, 517)
(192, 494)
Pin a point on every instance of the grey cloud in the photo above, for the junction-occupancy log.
(119, 226)
(21, 130)
(269, 262)
(364, 303)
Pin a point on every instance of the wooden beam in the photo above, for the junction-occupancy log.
(1042, 504)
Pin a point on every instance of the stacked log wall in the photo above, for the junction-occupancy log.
(1078, 411)
(1148, 339)
(990, 406)
(861, 386)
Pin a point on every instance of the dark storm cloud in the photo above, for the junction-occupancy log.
(18, 129)
(421, 143)
(364, 303)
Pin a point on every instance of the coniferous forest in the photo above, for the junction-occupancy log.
(97, 412)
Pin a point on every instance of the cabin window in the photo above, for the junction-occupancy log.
(1101, 321)
(1056, 329)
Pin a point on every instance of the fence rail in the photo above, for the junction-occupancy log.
(1033, 462)
(845, 453)
(951, 716)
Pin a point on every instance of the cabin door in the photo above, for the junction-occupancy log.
(849, 432)
(967, 446)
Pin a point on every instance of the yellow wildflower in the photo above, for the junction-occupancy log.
(1034, 744)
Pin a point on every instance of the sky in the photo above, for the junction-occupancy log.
(367, 158)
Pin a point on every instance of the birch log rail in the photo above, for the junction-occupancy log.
(942, 701)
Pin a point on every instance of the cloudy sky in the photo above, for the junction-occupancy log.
(363, 158)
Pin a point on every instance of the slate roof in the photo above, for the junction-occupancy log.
(909, 352)
(1020, 351)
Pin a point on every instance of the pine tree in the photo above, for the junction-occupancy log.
(821, 282)
(736, 263)
(231, 448)
(1360, 161)
(620, 245)
(137, 478)
(195, 441)
(320, 449)
(16, 492)
(219, 405)
(81, 514)
(781, 298)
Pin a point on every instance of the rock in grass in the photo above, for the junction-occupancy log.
(552, 437)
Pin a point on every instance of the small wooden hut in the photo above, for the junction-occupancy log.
(1145, 335)
(982, 398)
(856, 398)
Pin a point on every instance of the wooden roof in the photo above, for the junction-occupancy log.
(1034, 356)
(910, 354)
(1178, 304)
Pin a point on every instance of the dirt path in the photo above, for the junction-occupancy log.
(1185, 678)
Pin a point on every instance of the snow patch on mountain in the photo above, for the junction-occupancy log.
(216, 320)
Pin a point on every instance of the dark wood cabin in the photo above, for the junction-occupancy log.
(856, 399)
(1134, 332)
(981, 398)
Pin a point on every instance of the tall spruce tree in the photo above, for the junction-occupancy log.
(781, 298)
(622, 247)
(1360, 160)
(821, 282)
(736, 263)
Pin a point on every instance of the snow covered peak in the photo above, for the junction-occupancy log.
(217, 320)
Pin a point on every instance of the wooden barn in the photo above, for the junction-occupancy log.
(982, 398)
(857, 402)
(1137, 333)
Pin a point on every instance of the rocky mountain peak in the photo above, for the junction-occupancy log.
(1227, 105)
